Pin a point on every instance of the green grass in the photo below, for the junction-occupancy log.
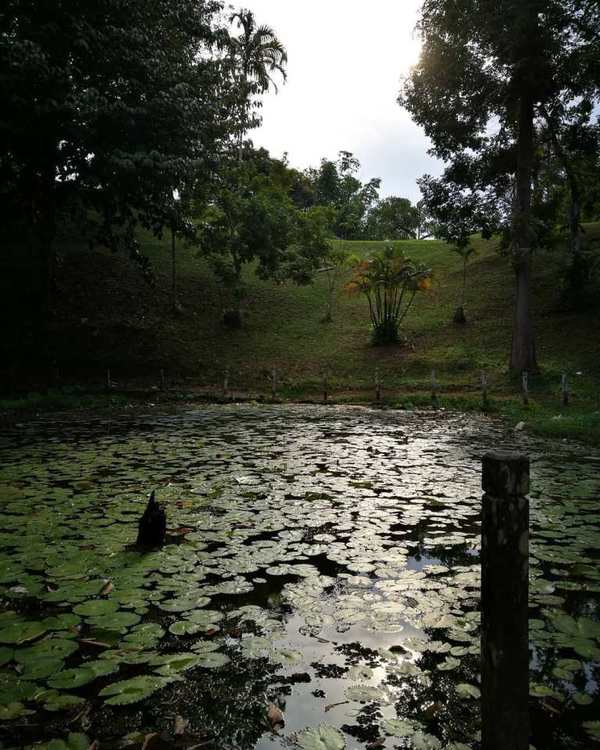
(111, 317)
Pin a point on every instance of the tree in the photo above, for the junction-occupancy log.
(466, 252)
(108, 107)
(252, 219)
(390, 282)
(486, 69)
(574, 156)
(393, 218)
(338, 259)
(336, 186)
(257, 56)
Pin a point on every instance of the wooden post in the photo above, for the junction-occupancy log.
(325, 388)
(162, 380)
(274, 384)
(525, 387)
(108, 380)
(564, 389)
(484, 391)
(434, 391)
(504, 602)
(226, 383)
(377, 386)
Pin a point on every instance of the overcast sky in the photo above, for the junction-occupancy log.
(345, 62)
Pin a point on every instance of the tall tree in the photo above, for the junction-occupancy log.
(486, 69)
(258, 56)
(107, 106)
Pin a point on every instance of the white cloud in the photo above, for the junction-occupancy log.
(346, 59)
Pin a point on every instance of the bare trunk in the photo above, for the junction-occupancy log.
(523, 356)
(173, 270)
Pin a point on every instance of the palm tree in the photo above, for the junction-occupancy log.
(257, 55)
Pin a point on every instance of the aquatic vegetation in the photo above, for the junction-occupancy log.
(324, 558)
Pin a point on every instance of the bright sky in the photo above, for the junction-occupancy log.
(345, 62)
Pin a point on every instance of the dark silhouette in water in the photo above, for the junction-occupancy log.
(152, 527)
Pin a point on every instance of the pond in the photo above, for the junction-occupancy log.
(319, 588)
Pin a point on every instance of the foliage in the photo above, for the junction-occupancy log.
(392, 218)
(335, 185)
(256, 55)
(390, 281)
(108, 108)
(337, 260)
(252, 218)
(486, 71)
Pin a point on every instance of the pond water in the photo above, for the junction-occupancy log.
(322, 569)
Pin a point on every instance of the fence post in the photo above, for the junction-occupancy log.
(564, 389)
(434, 391)
(525, 387)
(226, 383)
(325, 388)
(377, 385)
(484, 391)
(108, 379)
(504, 600)
(274, 384)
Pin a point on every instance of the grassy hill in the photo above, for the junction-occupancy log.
(110, 316)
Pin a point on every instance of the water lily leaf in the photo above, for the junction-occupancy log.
(145, 634)
(399, 727)
(74, 741)
(184, 603)
(593, 729)
(13, 711)
(538, 690)
(365, 694)
(131, 691)
(63, 621)
(213, 660)
(583, 699)
(117, 621)
(449, 663)
(102, 667)
(6, 655)
(41, 668)
(72, 678)
(96, 607)
(168, 664)
(62, 702)
(21, 632)
(185, 627)
(323, 737)
(468, 691)
(57, 648)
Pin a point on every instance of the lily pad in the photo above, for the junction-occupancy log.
(323, 737)
(72, 678)
(132, 691)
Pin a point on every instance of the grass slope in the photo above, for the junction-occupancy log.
(111, 317)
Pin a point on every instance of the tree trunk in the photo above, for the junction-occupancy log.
(44, 229)
(173, 270)
(523, 356)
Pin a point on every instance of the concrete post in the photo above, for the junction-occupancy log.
(504, 602)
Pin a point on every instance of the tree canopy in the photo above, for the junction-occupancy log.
(487, 70)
